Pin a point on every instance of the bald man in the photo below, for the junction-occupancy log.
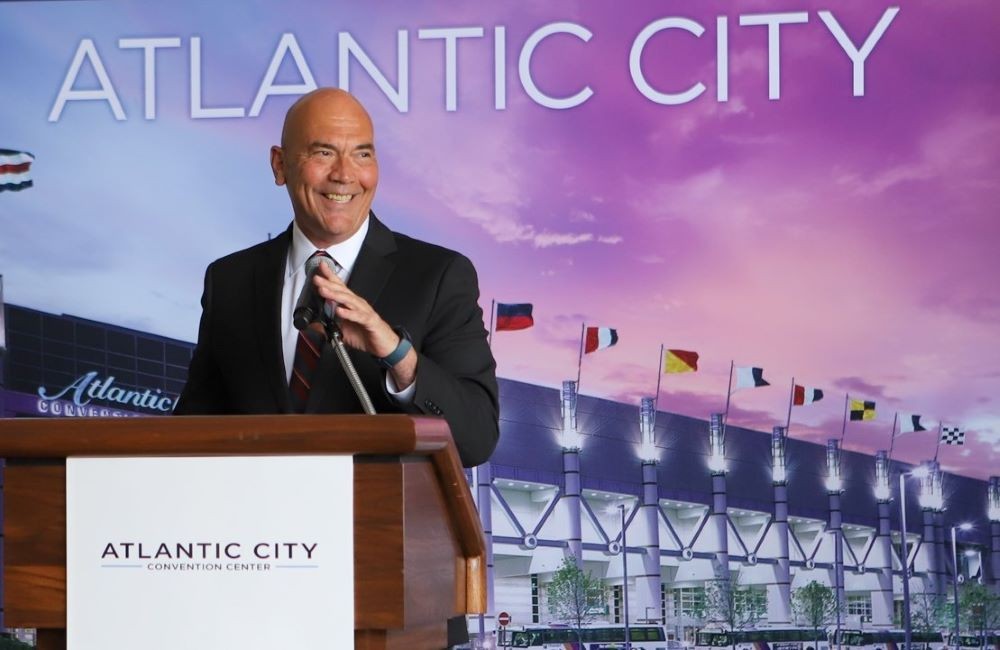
(408, 310)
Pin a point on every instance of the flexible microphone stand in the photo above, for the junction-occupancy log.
(337, 342)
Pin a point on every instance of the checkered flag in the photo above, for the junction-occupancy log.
(952, 436)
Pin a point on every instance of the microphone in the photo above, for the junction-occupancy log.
(310, 306)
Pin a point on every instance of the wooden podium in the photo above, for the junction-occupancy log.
(419, 549)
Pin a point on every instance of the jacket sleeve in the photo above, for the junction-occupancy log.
(456, 373)
(202, 394)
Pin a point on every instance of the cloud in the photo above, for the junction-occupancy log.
(859, 386)
(547, 239)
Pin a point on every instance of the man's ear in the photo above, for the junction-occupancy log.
(278, 165)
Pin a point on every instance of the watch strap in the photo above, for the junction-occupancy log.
(401, 350)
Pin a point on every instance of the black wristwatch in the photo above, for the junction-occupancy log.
(394, 357)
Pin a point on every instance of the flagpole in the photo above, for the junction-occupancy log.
(729, 394)
(579, 361)
(843, 429)
(938, 447)
(489, 339)
(892, 440)
(659, 376)
(791, 398)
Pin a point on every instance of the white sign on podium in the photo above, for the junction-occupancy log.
(210, 552)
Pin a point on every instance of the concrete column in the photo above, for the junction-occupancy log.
(927, 558)
(571, 504)
(881, 558)
(779, 594)
(943, 550)
(993, 514)
(484, 502)
(571, 472)
(994, 553)
(647, 535)
(718, 523)
(837, 533)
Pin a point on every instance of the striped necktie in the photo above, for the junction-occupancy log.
(308, 350)
(307, 353)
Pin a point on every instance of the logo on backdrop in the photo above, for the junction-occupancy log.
(90, 387)
(87, 61)
(173, 557)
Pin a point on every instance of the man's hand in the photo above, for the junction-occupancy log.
(362, 327)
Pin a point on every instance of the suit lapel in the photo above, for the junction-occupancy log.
(267, 282)
(374, 265)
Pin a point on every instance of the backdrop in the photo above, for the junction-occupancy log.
(803, 187)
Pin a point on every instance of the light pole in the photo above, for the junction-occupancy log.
(954, 564)
(628, 636)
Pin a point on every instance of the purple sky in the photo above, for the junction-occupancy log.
(846, 241)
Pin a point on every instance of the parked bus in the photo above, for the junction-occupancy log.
(975, 642)
(795, 638)
(609, 637)
(889, 640)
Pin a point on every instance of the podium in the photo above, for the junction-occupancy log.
(419, 553)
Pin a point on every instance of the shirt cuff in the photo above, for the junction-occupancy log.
(404, 396)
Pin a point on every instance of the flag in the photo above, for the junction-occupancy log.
(952, 436)
(14, 170)
(862, 410)
(749, 377)
(909, 423)
(598, 338)
(804, 395)
(680, 361)
(511, 317)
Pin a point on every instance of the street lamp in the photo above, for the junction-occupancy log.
(628, 636)
(919, 472)
(568, 435)
(716, 445)
(954, 563)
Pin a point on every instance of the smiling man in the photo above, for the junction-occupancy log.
(408, 310)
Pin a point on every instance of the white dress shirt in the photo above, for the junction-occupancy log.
(345, 254)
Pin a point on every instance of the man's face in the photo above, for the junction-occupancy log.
(328, 163)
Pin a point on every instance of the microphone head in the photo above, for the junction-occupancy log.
(312, 264)
(310, 307)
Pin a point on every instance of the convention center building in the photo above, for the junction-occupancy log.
(668, 502)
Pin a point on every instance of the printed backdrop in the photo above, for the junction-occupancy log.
(809, 188)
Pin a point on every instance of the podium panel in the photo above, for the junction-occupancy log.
(419, 551)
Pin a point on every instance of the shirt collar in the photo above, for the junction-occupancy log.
(346, 252)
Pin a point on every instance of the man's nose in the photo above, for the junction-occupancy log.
(342, 170)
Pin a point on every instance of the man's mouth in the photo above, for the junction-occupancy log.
(338, 198)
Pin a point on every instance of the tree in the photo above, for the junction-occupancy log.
(980, 609)
(814, 606)
(929, 612)
(575, 598)
(732, 607)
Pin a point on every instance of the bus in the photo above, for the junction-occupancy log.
(889, 640)
(975, 642)
(608, 637)
(794, 638)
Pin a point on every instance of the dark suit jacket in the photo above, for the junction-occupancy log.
(238, 367)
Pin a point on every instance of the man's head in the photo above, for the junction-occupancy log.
(327, 162)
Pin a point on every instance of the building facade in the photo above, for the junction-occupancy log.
(700, 502)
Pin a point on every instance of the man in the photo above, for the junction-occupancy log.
(408, 310)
